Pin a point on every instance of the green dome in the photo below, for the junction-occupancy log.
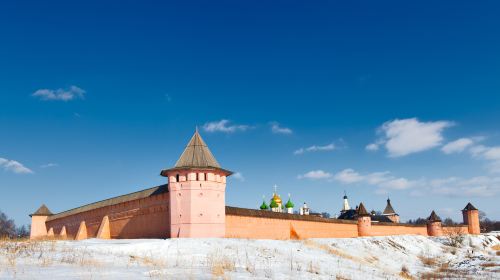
(274, 204)
(264, 206)
(289, 204)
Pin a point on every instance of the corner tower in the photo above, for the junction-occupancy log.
(38, 219)
(197, 186)
(390, 213)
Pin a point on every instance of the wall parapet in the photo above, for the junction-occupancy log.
(111, 201)
(236, 211)
(396, 224)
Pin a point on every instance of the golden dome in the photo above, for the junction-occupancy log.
(277, 198)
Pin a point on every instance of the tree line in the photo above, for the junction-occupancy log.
(8, 228)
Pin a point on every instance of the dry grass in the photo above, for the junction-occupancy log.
(444, 272)
(405, 273)
(428, 261)
(455, 236)
(220, 264)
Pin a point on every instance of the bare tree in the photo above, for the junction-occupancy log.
(7, 226)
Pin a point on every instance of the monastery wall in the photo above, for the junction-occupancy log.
(257, 224)
(144, 217)
(382, 229)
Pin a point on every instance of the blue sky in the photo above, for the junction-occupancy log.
(378, 98)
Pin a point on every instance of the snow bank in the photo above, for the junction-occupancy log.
(391, 257)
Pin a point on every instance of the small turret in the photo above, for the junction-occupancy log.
(390, 213)
(434, 227)
(364, 221)
(471, 218)
(38, 219)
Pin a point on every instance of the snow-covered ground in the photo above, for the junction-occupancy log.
(392, 257)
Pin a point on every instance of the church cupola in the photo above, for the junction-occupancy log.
(264, 206)
(289, 205)
(276, 203)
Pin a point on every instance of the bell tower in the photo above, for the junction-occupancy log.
(197, 186)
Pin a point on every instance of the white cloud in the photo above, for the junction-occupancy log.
(224, 126)
(383, 180)
(407, 136)
(481, 186)
(314, 148)
(372, 147)
(277, 129)
(457, 146)
(397, 184)
(48, 165)
(238, 176)
(315, 175)
(14, 166)
(490, 154)
(348, 176)
(60, 94)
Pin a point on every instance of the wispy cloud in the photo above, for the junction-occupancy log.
(384, 180)
(238, 176)
(14, 166)
(315, 148)
(277, 129)
(48, 165)
(408, 136)
(73, 92)
(457, 146)
(489, 154)
(372, 147)
(315, 175)
(224, 126)
(480, 186)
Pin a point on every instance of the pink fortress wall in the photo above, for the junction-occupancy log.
(271, 228)
(255, 224)
(141, 218)
(149, 218)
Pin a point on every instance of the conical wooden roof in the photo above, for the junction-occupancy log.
(434, 217)
(42, 211)
(197, 155)
(469, 206)
(388, 209)
(362, 210)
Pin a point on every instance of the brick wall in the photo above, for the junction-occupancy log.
(140, 218)
(249, 223)
(256, 224)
